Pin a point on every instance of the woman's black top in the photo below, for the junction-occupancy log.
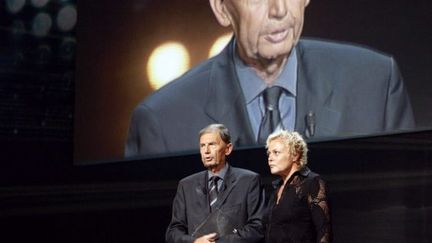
(302, 214)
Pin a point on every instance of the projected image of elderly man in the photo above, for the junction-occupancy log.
(268, 78)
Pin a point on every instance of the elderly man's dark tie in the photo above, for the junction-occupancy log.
(213, 190)
(272, 116)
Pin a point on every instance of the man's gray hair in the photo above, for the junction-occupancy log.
(293, 141)
(220, 128)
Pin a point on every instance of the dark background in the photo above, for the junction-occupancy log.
(379, 186)
(379, 189)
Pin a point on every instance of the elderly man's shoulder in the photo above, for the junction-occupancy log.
(245, 173)
(240, 172)
(337, 50)
(193, 177)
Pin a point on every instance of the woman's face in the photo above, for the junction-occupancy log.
(280, 160)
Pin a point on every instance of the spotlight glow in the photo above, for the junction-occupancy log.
(14, 6)
(219, 44)
(39, 3)
(67, 49)
(167, 62)
(43, 53)
(41, 24)
(67, 18)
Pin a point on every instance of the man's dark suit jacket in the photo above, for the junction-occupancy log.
(241, 196)
(351, 90)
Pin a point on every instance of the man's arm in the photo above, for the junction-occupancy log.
(144, 136)
(253, 230)
(177, 231)
(399, 114)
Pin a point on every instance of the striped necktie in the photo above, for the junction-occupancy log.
(213, 190)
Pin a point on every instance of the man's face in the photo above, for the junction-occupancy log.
(213, 150)
(266, 29)
(280, 160)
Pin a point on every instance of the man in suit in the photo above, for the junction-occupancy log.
(325, 89)
(239, 197)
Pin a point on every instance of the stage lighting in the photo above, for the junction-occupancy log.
(41, 24)
(43, 54)
(67, 49)
(14, 6)
(18, 58)
(219, 44)
(67, 18)
(18, 28)
(39, 3)
(167, 62)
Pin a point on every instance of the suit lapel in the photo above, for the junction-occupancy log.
(315, 94)
(225, 103)
(201, 194)
(302, 104)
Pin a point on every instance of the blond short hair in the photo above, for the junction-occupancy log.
(292, 140)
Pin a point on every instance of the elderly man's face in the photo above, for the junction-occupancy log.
(266, 29)
(214, 150)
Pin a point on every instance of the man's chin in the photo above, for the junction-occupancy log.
(272, 52)
(210, 165)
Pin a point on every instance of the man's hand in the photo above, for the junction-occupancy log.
(210, 238)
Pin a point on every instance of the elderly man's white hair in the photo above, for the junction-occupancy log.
(293, 141)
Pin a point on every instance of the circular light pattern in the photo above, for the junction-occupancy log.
(39, 3)
(67, 18)
(219, 44)
(18, 27)
(43, 54)
(41, 24)
(14, 6)
(18, 58)
(67, 49)
(167, 62)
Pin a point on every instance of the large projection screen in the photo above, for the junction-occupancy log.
(116, 38)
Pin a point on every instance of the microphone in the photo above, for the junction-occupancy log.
(310, 124)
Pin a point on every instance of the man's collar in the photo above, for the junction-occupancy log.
(221, 173)
(252, 85)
